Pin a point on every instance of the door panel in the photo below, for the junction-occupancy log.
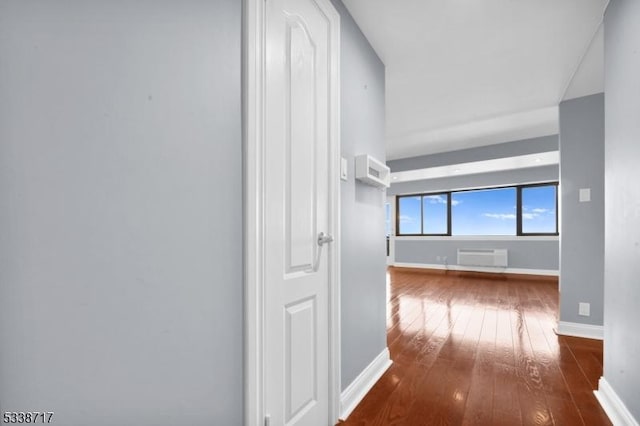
(301, 155)
(301, 383)
(297, 184)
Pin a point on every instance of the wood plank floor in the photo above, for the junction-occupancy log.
(479, 349)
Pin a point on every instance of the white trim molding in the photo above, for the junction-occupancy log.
(362, 384)
(253, 165)
(391, 200)
(611, 403)
(576, 329)
(478, 237)
(495, 270)
(335, 351)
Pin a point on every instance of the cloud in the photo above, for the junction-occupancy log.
(501, 216)
(406, 219)
(530, 215)
(436, 199)
(511, 216)
(439, 199)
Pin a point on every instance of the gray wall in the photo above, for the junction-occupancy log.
(481, 180)
(523, 254)
(363, 245)
(120, 223)
(582, 223)
(489, 152)
(529, 253)
(622, 202)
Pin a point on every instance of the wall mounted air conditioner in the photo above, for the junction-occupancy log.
(482, 257)
(372, 172)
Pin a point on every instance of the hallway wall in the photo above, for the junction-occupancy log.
(622, 202)
(121, 211)
(363, 310)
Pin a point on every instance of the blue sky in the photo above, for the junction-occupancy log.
(482, 212)
(409, 215)
(539, 209)
(487, 212)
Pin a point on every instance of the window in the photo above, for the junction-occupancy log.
(484, 212)
(539, 210)
(435, 213)
(513, 210)
(423, 214)
(409, 215)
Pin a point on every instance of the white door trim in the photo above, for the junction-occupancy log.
(391, 259)
(254, 249)
(253, 185)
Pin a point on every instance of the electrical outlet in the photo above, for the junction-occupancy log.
(444, 259)
(584, 309)
(584, 195)
(438, 258)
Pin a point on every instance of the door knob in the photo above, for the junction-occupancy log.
(324, 238)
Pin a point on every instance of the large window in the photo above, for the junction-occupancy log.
(514, 210)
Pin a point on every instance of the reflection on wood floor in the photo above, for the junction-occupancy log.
(479, 349)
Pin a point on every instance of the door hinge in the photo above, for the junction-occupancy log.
(267, 418)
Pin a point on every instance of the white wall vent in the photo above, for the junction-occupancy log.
(372, 172)
(482, 257)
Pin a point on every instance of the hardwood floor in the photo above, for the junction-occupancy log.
(479, 349)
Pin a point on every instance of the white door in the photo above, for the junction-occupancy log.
(299, 127)
(390, 225)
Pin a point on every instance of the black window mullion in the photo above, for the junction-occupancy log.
(398, 215)
(518, 211)
(422, 215)
(449, 215)
(557, 211)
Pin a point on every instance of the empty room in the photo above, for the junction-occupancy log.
(319, 212)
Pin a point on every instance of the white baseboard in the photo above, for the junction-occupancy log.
(613, 405)
(524, 271)
(354, 393)
(580, 330)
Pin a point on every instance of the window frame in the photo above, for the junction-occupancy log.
(519, 231)
(448, 195)
(431, 194)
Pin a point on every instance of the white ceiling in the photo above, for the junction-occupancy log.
(463, 73)
(589, 78)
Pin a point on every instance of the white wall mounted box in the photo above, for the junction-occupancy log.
(373, 172)
(483, 257)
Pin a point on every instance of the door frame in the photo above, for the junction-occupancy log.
(253, 109)
(391, 259)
